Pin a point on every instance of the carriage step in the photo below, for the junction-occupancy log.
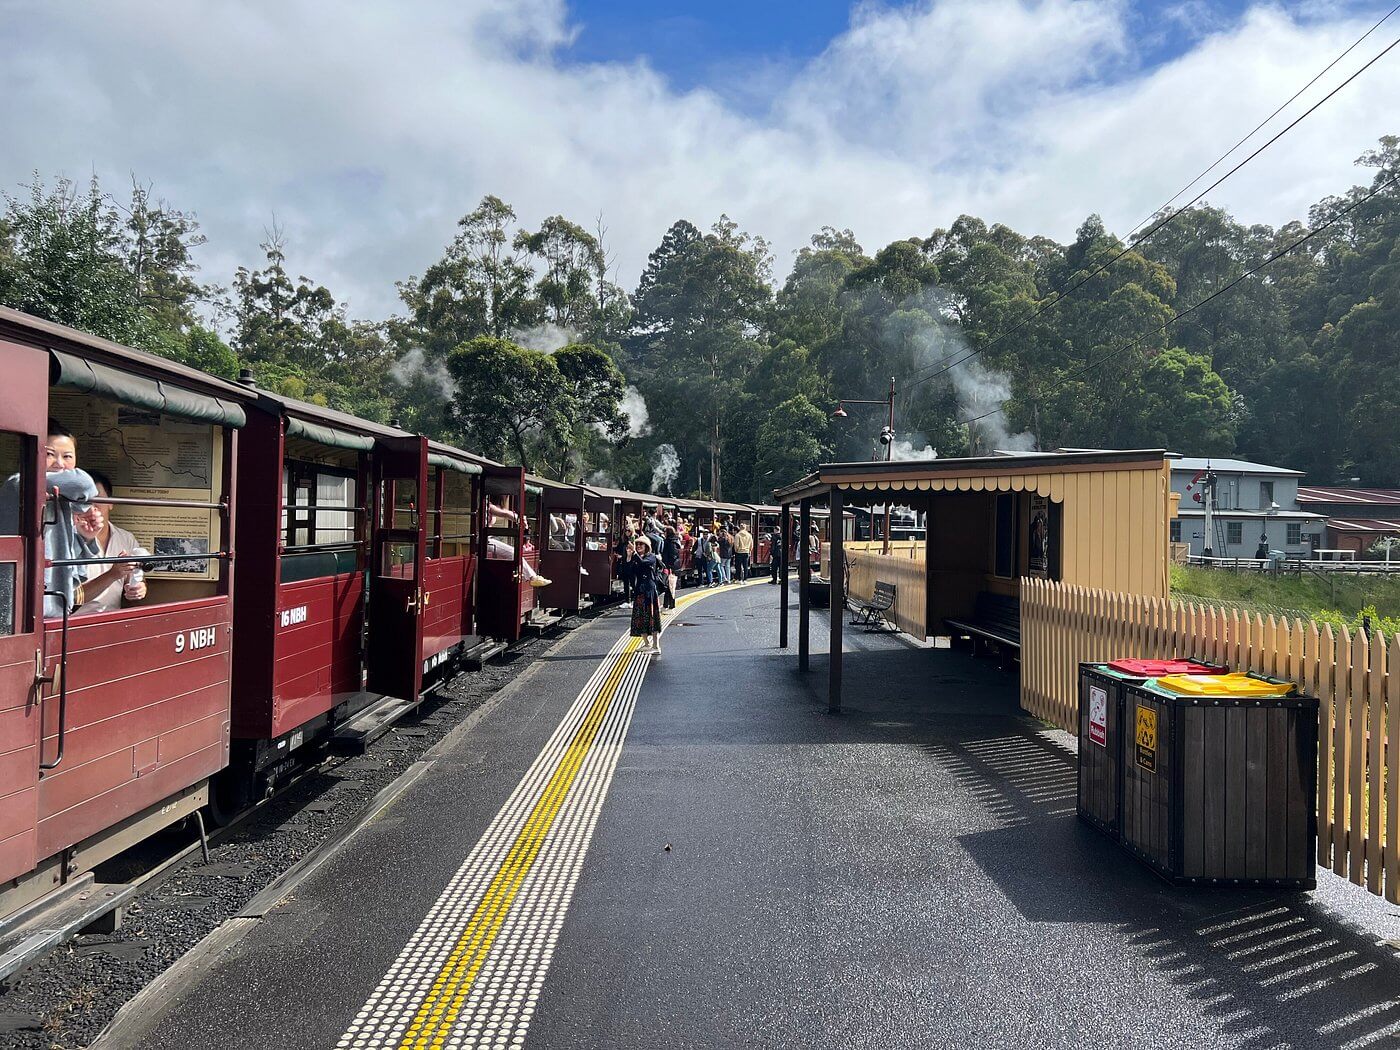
(475, 658)
(355, 736)
(539, 622)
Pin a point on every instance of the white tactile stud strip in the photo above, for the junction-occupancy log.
(471, 974)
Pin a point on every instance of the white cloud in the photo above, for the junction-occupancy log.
(369, 130)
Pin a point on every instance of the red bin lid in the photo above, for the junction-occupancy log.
(1159, 668)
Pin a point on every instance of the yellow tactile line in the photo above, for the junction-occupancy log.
(438, 1012)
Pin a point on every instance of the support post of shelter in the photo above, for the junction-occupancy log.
(837, 561)
(804, 576)
(784, 545)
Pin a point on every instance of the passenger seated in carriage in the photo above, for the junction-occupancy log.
(500, 549)
(106, 585)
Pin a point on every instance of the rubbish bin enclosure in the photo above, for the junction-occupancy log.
(1219, 780)
(1100, 726)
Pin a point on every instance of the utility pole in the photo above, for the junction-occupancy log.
(886, 436)
(1208, 488)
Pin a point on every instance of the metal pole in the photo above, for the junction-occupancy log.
(838, 604)
(784, 545)
(804, 576)
(889, 457)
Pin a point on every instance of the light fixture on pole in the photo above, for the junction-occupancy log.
(886, 439)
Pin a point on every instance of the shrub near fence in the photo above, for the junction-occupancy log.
(1358, 830)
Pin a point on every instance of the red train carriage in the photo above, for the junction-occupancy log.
(114, 713)
(313, 559)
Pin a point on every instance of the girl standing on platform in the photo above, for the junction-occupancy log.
(643, 570)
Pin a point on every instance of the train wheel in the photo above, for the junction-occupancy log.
(229, 795)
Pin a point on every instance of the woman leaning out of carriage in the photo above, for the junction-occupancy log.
(645, 574)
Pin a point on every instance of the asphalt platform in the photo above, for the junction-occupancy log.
(750, 871)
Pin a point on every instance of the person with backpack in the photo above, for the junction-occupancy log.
(671, 559)
(726, 553)
(700, 558)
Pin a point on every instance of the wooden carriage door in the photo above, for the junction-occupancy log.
(597, 545)
(561, 547)
(498, 605)
(24, 400)
(395, 655)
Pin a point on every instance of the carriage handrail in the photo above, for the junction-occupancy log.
(325, 506)
(142, 559)
(316, 548)
(62, 677)
(142, 501)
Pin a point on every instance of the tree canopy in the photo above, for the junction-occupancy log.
(520, 343)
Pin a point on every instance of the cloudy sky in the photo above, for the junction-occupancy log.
(369, 128)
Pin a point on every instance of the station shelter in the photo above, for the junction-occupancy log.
(1096, 518)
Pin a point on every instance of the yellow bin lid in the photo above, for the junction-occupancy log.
(1224, 686)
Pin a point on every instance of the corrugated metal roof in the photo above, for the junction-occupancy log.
(1359, 497)
(1230, 466)
(1362, 525)
(1223, 515)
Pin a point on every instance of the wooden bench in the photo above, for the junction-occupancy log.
(871, 614)
(995, 622)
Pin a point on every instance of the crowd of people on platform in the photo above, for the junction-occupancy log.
(655, 550)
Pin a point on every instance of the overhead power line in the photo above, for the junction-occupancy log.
(1177, 212)
(1090, 366)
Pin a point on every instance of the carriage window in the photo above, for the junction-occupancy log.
(597, 539)
(502, 526)
(400, 503)
(323, 523)
(455, 534)
(162, 475)
(12, 463)
(398, 561)
(563, 530)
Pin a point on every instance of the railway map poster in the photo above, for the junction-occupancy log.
(152, 456)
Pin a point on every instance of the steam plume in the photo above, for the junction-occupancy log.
(922, 324)
(635, 407)
(603, 478)
(665, 467)
(415, 369)
(904, 448)
(546, 338)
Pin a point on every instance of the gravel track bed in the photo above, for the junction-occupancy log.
(65, 999)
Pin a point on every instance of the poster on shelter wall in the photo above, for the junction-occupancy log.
(148, 455)
(1038, 563)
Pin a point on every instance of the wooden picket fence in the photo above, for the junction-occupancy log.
(1358, 729)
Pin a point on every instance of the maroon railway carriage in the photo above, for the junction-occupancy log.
(313, 560)
(114, 716)
(358, 556)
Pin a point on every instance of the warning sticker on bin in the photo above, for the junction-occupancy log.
(1098, 715)
(1147, 738)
